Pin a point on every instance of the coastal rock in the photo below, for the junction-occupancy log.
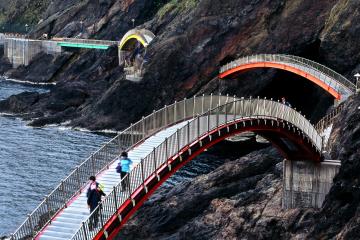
(239, 200)
(193, 40)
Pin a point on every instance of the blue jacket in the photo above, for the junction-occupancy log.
(125, 164)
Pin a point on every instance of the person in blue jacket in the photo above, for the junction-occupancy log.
(93, 195)
(124, 168)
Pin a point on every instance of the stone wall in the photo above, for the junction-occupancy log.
(21, 51)
(305, 184)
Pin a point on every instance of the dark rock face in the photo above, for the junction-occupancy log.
(239, 200)
(340, 214)
(193, 40)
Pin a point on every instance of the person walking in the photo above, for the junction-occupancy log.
(123, 168)
(93, 194)
(283, 101)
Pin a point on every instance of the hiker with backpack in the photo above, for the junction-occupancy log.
(93, 194)
(123, 168)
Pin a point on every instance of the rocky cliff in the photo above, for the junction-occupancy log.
(193, 39)
(241, 198)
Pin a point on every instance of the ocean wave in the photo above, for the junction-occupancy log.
(27, 82)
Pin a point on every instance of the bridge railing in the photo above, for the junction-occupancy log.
(195, 128)
(84, 41)
(327, 120)
(317, 70)
(99, 160)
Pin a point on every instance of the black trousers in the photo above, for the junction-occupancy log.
(124, 180)
(94, 219)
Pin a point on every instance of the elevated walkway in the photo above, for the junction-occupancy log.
(84, 43)
(331, 81)
(160, 144)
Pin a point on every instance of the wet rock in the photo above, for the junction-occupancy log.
(19, 103)
(239, 200)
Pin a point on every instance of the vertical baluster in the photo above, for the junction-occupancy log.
(184, 108)
(115, 198)
(188, 133)
(202, 103)
(198, 126)
(31, 225)
(154, 120)
(217, 115)
(175, 112)
(194, 103)
(165, 115)
(93, 164)
(143, 175)
(84, 231)
(178, 140)
(48, 208)
(143, 126)
(208, 121)
(78, 178)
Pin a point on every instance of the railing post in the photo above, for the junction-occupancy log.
(115, 198)
(93, 164)
(155, 168)
(48, 207)
(184, 108)
(63, 192)
(194, 103)
(143, 126)
(217, 115)
(166, 149)
(175, 112)
(31, 225)
(101, 214)
(154, 121)
(129, 184)
(143, 174)
(226, 113)
(165, 115)
(208, 121)
(235, 108)
(84, 230)
(211, 100)
(198, 126)
(132, 134)
(178, 140)
(202, 103)
(78, 178)
(188, 133)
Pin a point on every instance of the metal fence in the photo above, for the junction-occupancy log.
(85, 41)
(328, 76)
(196, 127)
(73, 184)
(327, 120)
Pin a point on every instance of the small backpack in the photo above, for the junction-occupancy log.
(118, 168)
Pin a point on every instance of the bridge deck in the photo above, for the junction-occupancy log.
(69, 221)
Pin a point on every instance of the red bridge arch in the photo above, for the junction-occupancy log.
(288, 139)
(317, 81)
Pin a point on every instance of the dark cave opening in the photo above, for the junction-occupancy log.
(302, 94)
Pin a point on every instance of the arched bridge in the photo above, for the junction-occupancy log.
(333, 82)
(159, 145)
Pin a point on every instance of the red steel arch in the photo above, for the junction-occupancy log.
(285, 67)
(282, 134)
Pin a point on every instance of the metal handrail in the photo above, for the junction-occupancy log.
(195, 128)
(323, 73)
(73, 184)
(85, 41)
(329, 119)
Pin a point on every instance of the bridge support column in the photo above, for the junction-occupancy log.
(305, 184)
